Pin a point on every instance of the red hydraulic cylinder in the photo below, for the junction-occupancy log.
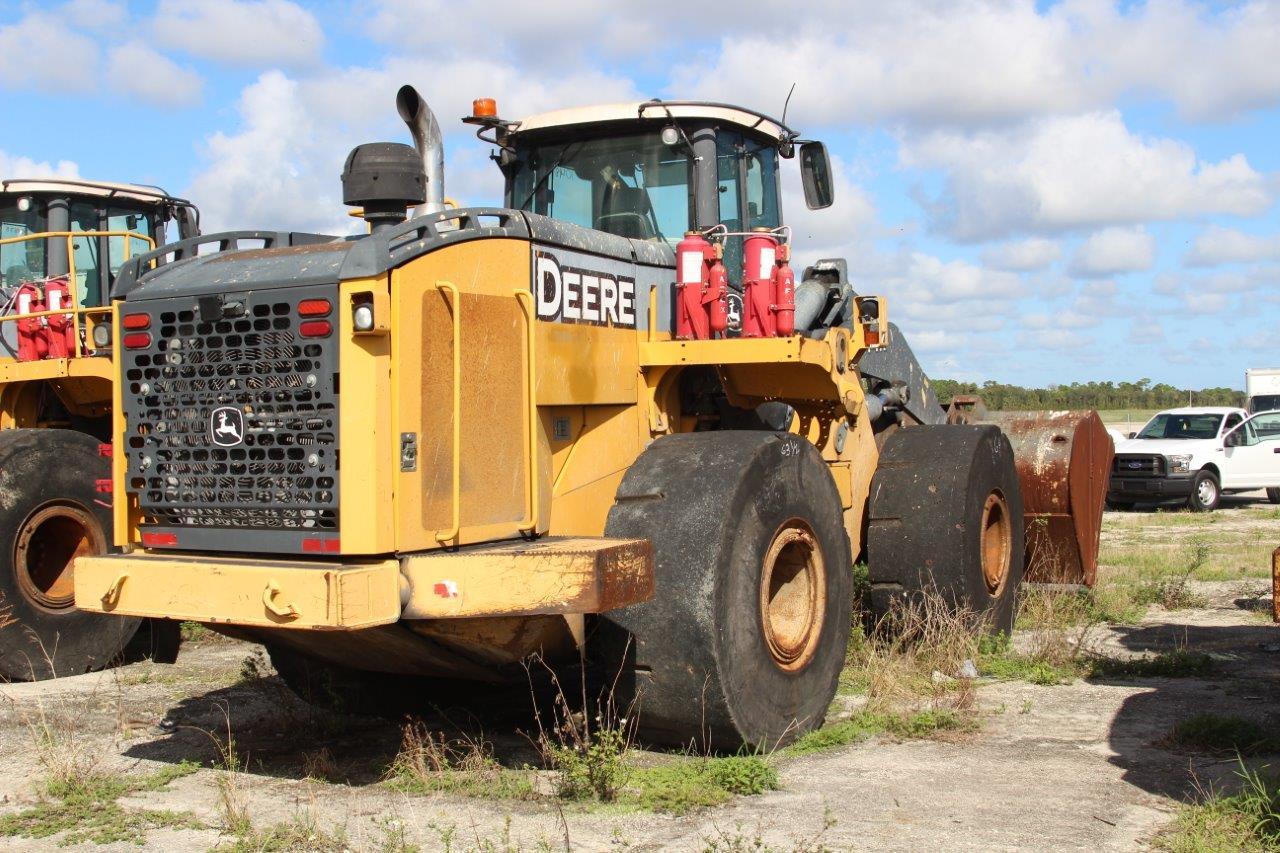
(784, 288)
(60, 331)
(692, 283)
(717, 298)
(32, 344)
(759, 252)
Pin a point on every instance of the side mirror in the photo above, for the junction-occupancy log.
(815, 174)
(1133, 435)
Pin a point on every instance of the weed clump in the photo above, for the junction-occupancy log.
(428, 762)
(1225, 733)
(1246, 821)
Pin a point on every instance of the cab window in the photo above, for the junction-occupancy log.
(1233, 420)
(86, 255)
(748, 177)
(634, 186)
(22, 260)
(120, 249)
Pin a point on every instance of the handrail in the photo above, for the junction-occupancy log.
(530, 523)
(70, 236)
(457, 412)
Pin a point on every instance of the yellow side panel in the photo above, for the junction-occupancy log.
(369, 444)
(592, 447)
(584, 365)
(493, 487)
(259, 593)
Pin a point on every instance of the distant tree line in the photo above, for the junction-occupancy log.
(1086, 395)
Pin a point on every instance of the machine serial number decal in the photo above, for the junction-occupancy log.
(568, 294)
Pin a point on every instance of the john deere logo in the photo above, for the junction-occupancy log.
(226, 426)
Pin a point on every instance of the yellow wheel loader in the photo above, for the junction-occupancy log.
(600, 423)
(62, 243)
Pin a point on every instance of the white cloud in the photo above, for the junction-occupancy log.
(17, 166)
(42, 52)
(280, 169)
(1034, 253)
(977, 63)
(1113, 251)
(1072, 172)
(152, 76)
(1215, 246)
(94, 14)
(272, 33)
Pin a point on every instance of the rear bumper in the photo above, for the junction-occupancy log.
(545, 577)
(255, 593)
(1137, 488)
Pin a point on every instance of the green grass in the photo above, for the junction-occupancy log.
(1248, 821)
(690, 782)
(1225, 733)
(866, 724)
(1135, 416)
(1179, 663)
(83, 809)
(298, 834)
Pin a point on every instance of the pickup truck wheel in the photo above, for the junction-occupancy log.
(51, 513)
(1273, 495)
(745, 636)
(1205, 492)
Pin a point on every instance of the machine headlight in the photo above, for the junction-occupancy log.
(1179, 463)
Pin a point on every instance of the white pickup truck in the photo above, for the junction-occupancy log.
(1196, 455)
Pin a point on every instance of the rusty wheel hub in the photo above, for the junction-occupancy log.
(47, 546)
(997, 542)
(793, 589)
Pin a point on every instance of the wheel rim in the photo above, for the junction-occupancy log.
(1206, 491)
(47, 545)
(793, 593)
(997, 542)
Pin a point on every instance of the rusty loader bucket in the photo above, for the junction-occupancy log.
(1064, 462)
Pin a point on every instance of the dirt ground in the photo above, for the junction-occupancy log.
(1068, 767)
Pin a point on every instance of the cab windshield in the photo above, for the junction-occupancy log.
(637, 186)
(1182, 426)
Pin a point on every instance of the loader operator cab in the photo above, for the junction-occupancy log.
(653, 171)
(81, 232)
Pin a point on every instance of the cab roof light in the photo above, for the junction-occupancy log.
(484, 108)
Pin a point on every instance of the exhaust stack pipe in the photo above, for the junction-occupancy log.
(428, 140)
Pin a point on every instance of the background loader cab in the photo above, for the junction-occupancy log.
(62, 244)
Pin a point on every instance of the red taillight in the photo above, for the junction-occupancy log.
(313, 329)
(136, 321)
(316, 545)
(137, 340)
(159, 540)
(314, 307)
(103, 487)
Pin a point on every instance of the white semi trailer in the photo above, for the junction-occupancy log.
(1262, 387)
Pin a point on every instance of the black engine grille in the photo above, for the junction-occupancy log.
(284, 474)
(1138, 465)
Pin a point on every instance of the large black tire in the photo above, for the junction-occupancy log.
(51, 512)
(1206, 491)
(945, 516)
(745, 636)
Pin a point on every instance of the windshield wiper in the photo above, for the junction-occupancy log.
(560, 158)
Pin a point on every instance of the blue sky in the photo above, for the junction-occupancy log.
(1045, 192)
